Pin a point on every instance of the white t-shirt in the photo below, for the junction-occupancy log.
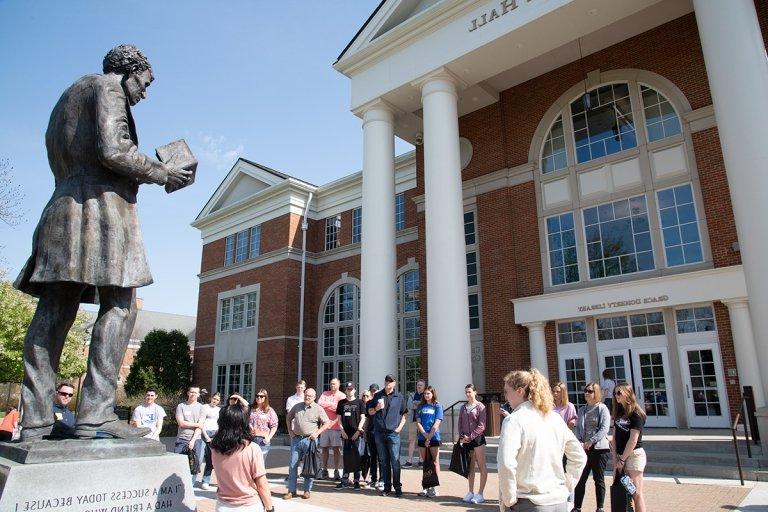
(292, 400)
(211, 415)
(607, 388)
(149, 416)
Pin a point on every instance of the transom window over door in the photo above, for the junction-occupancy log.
(340, 335)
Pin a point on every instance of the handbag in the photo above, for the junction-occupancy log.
(311, 468)
(621, 500)
(429, 475)
(459, 460)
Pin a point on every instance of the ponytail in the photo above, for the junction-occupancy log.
(536, 388)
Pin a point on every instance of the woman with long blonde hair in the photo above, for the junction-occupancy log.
(531, 448)
(627, 441)
(563, 406)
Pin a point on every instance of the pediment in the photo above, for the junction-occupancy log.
(245, 179)
(387, 16)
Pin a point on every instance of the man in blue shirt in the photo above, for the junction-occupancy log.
(388, 409)
(63, 419)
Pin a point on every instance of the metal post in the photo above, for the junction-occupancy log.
(749, 401)
(304, 226)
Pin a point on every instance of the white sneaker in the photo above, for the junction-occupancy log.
(477, 498)
(205, 487)
(380, 485)
(469, 497)
(432, 492)
(423, 492)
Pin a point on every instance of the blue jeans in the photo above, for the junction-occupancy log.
(208, 459)
(259, 440)
(388, 448)
(299, 448)
(374, 455)
(179, 448)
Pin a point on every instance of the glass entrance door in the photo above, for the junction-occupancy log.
(647, 371)
(652, 386)
(704, 386)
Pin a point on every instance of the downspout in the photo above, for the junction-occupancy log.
(304, 226)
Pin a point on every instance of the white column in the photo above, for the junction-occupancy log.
(537, 343)
(378, 314)
(737, 70)
(744, 346)
(450, 362)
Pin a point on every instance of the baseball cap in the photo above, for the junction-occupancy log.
(389, 378)
(349, 384)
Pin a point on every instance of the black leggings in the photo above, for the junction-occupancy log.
(597, 460)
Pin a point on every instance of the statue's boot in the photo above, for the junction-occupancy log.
(116, 428)
(35, 433)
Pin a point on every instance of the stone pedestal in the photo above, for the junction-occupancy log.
(99, 475)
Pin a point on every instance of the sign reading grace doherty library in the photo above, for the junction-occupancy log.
(623, 303)
(505, 6)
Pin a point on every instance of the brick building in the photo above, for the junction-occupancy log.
(569, 206)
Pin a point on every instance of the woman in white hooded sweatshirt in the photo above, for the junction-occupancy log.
(531, 448)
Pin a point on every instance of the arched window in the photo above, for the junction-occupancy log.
(615, 169)
(661, 120)
(341, 335)
(409, 330)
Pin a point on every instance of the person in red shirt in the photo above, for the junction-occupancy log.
(9, 424)
(331, 438)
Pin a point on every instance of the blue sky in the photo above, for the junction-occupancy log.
(249, 78)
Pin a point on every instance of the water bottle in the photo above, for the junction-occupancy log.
(628, 484)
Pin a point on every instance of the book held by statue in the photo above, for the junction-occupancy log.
(178, 154)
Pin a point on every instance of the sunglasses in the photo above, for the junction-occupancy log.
(70, 395)
(589, 391)
(232, 399)
(261, 396)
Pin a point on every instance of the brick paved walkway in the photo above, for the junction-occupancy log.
(660, 495)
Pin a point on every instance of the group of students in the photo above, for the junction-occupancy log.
(547, 449)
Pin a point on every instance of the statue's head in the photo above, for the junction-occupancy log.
(128, 61)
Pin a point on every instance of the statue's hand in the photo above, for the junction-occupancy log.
(178, 177)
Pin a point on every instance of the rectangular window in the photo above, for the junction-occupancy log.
(346, 340)
(331, 233)
(255, 241)
(410, 292)
(618, 238)
(357, 225)
(680, 226)
(647, 324)
(469, 228)
(411, 328)
(229, 250)
(700, 319)
(329, 315)
(329, 342)
(471, 269)
(612, 328)
(474, 311)
(247, 382)
(328, 374)
(250, 315)
(572, 332)
(575, 380)
(561, 238)
(224, 320)
(221, 379)
(241, 247)
(346, 302)
(234, 379)
(399, 211)
(346, 371)
(412, 372)
(238, 310)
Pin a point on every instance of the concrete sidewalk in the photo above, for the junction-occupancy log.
(662, 494)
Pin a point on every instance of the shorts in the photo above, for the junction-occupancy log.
(330, 439)
(413, 430)
(478, 441)
(432, 443)
(636, 461)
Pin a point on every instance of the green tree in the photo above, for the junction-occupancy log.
(163, 362)
(16, 311)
